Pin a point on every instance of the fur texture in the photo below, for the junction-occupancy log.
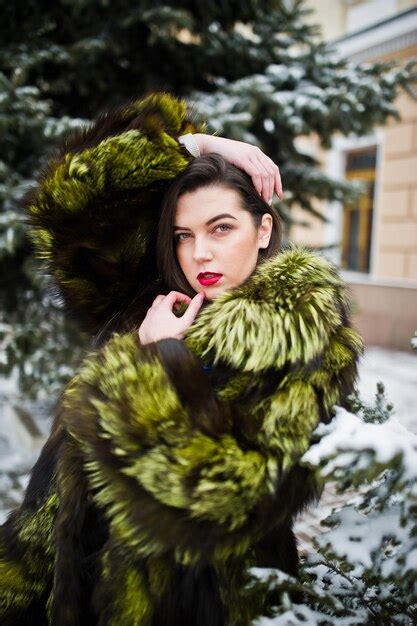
(163, 483)
(94, 212)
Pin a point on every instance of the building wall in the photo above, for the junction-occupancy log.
(386, 296)
(339, 17)
(330, 14)
(396, 232)
(384, 312)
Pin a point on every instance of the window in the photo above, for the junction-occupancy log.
(357, 216)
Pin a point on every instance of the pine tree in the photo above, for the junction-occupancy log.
(33, 332)
(257, 71)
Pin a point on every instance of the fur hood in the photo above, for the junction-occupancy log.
(162, 485)
(94, 212)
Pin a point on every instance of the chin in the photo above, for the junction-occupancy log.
(210, 291)
(211, 294)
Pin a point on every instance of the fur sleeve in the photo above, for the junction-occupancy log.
(27, 543)
(167, 478)
(93, 214)
(26, 563)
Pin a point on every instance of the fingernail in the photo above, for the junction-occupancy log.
(270, 201)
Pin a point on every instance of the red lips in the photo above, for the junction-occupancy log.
(208, 278)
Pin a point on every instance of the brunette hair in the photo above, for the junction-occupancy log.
(210, 169)
(206, 170)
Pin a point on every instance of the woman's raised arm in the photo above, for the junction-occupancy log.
(249, 158)
(94, 212)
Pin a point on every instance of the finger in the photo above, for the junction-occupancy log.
(158, 299)
(267, 181)
(193, 307)
(251, 168)
(276, 174)
(176, 296)
(278, 183)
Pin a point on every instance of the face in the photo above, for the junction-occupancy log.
(213, 233)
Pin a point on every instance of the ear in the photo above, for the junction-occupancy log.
(265, 230)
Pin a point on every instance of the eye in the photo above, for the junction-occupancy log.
(177, 238)
(226, 226)
(182, 236)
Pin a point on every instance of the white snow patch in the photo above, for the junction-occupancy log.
(398, 371)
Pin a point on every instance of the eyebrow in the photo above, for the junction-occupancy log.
(210, 221)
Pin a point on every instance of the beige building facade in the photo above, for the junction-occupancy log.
(375, 238)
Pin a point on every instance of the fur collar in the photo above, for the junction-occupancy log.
(285, 312)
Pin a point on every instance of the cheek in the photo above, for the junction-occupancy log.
(183, 259)
(239, 259)
(242, 249)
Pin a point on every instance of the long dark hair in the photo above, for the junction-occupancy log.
(205, 170)
(209, 169)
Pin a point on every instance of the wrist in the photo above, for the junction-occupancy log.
(144, 340)
(201, 140)
(190, 144)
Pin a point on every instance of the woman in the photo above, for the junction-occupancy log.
(172, 465)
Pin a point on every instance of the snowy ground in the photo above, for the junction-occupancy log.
(398, 371)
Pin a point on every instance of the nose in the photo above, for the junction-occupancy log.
(201, 251)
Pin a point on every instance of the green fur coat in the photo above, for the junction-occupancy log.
(171, 469)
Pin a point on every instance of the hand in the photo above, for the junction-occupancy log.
(263, 171)
(160, 322)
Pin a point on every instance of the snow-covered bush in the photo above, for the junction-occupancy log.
(365, 567)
